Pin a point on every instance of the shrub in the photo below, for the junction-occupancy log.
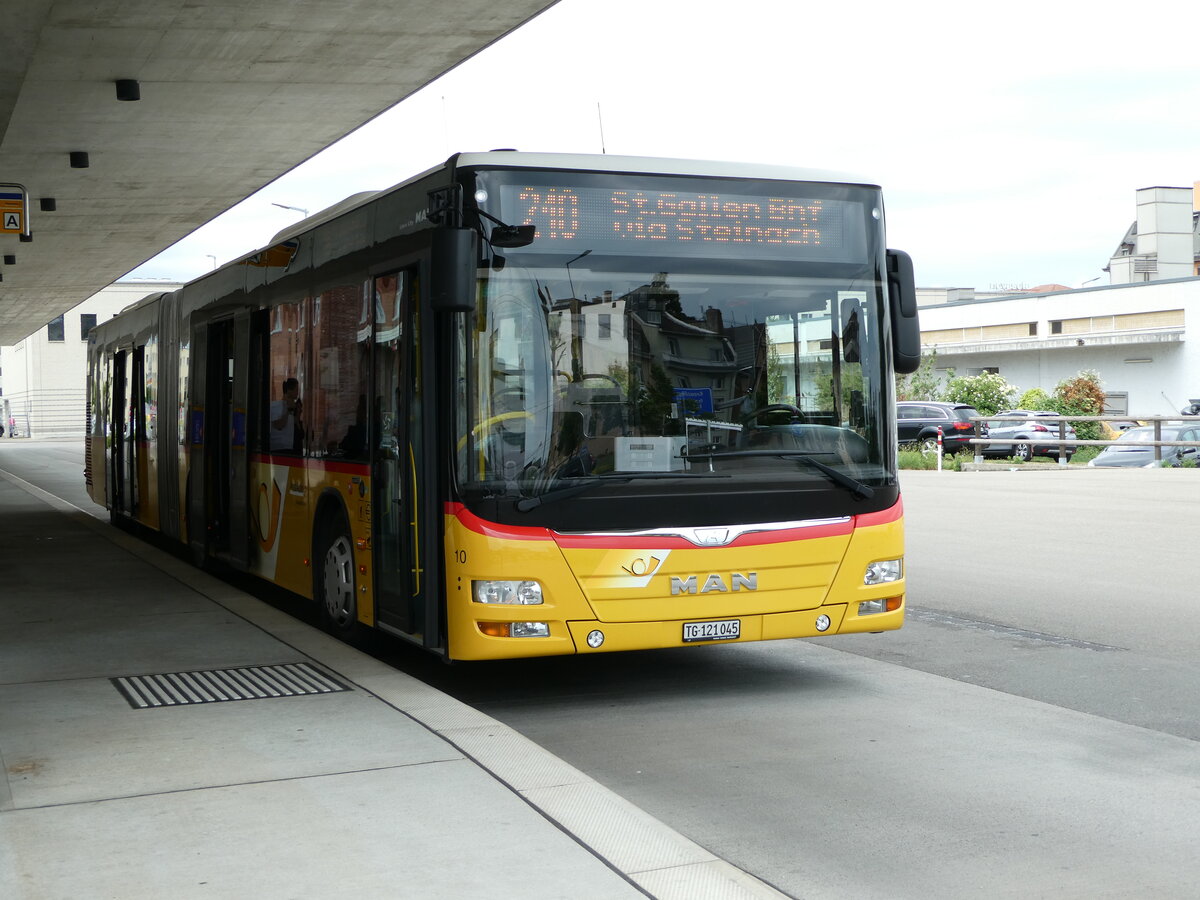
(1081, 396)
(989, 393)
(910, 457)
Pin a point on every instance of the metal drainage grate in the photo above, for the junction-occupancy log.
(218, 685)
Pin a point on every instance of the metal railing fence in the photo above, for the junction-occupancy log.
(1062, 441)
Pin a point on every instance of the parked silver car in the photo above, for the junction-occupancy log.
(1120, 453)
(1025, 440)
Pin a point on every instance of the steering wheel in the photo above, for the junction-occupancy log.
(773, 408)
(484, 428)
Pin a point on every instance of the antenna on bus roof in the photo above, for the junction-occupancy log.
(600, 118)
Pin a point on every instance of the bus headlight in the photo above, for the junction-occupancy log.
(510, 593)
(884, 571)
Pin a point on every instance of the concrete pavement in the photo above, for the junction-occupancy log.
(333, 775)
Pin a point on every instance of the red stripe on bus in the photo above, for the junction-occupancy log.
(323, 465)
(472, 522)
(894, 513)
(650, 541)
(671, 542)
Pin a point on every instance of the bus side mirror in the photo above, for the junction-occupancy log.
(453, 263)
(902, 297)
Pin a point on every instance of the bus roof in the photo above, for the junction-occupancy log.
(654, 166)
(587, 162)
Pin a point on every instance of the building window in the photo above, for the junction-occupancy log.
(1033, 329)
(55, 330)
(605, 320)
(1056, 327)
(87, 321)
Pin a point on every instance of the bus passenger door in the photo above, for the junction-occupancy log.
(218, 437)
(119, 445)
(127, 450)
(400, 584)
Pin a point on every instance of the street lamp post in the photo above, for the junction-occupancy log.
(299, 209)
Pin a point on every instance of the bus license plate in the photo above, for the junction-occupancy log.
(725, 630)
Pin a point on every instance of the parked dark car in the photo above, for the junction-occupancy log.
(1026, 439)
(917, 423)
(1121, 453)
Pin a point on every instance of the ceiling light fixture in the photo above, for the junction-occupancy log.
(128, 89)
(79, 159)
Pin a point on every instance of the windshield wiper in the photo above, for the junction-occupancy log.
(578, 486)
(856, 487)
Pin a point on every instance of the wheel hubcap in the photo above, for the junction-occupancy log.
(339, 581)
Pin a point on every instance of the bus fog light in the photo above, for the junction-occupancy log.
(595, 639)
(511, 593)
(529, 629)
(884, 571)
(823, 623)
(871, 607)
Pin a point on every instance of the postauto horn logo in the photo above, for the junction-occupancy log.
(639, 571)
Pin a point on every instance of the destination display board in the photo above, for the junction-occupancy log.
(672, 222)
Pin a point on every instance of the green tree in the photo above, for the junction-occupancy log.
(852, 382)
(776, 378)
(989, 393)
(923, 384)
(1081, 396)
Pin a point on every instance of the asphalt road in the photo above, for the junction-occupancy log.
(1031, 732)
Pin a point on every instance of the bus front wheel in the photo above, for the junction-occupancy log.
(335, 581)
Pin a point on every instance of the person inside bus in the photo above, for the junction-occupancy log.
(287, 430)
(354, 444)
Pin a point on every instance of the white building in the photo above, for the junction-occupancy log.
(1135, 336)
(1133, 332)
(43, 378)
(1164, 242)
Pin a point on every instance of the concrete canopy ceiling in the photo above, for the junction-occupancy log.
(233, 94)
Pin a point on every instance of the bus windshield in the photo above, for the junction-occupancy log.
(670, 349)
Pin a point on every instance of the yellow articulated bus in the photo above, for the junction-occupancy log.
(534, 404)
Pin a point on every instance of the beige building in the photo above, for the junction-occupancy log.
(43, 378)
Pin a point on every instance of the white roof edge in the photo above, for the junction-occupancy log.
(655, 165)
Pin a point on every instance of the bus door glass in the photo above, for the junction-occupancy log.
(399, 583)
(135, 426)
(121, 426)
(218, 459)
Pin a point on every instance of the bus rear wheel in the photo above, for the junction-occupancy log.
(335, 582)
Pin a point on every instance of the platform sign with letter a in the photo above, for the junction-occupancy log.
(14, 209)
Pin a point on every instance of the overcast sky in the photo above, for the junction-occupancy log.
(1009, 139)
